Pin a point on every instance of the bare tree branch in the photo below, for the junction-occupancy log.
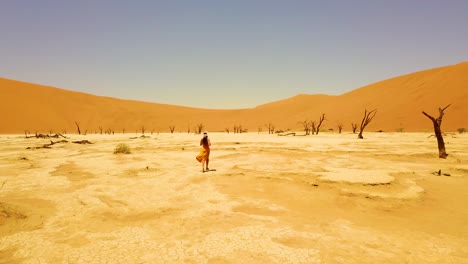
(368, 116)
(437, 122)
(321, 119)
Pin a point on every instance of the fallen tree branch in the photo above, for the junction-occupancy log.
(47, 136)
(48, 145)
(82, 142)
(142, 136)
(287, 134)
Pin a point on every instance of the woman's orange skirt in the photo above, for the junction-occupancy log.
(204, 155)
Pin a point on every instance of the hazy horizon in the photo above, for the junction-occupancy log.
(225, 55)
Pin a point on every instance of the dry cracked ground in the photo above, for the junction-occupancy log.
(327, 198)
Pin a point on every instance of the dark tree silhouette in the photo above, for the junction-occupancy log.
(306, 126)
(368, 116)
(321, 119)
(340, 127)
(199, 128)
(354, 127)
(78, 127)
(313, 128)
(437, 122)
(271, 128)
(171, 128)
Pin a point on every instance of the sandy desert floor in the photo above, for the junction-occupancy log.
(328, 198)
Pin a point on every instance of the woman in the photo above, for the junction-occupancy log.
(204, 156)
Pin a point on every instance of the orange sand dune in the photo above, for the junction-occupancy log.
(399, 101)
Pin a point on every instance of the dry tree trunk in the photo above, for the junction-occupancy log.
(368, 116)
(340, 127)
(82, 142)
(171, 128)
(437, 123)
(78, 127)
(306, 126)
(199, 128)
(312, 127)
(271, 128)
(321, 119)
(354, 127)
(47, 146)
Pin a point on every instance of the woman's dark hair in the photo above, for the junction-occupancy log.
(205, 140)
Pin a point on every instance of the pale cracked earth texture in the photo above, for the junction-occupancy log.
(327, 198)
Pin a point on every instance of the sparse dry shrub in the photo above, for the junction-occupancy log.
(122, 148)
(461, 130)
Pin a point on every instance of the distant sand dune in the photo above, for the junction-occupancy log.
(399, 101)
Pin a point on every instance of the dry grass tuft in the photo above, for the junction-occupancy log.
(122, 148)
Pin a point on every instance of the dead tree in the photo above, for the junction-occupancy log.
(226, 130)
(271, 128)
(100, 129)
(313, 128)
(354, 126)
(437, 123)
(340, 127)
(322, 118)
(78, 127)
(306, 126)
(41, 135)
(26, 133)
(199, 128)
(171, 128)
(143, 130)
(123, 130)
(368, 116)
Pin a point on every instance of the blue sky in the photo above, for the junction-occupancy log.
(226, 54)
